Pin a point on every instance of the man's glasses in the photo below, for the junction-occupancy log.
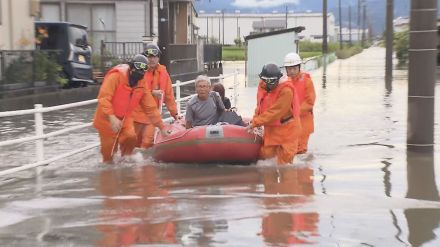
(270, 80)
(151, 52)
(140, 66)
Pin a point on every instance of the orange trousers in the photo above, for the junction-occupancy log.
(303, 142)
(284, 152)
(126, 142)
(307, 129)
(145, 134)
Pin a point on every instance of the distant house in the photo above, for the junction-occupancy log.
(401, 24)
(17, 24)
(268, 47)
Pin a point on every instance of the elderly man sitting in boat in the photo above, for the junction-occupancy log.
(205, 107)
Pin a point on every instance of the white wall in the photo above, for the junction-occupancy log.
(17, 30)
(311, 21)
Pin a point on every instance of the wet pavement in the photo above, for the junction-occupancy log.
(357, 186)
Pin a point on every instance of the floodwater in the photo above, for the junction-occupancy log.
(357, 186)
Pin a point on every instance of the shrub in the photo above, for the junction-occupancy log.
(348, 52)
(401, 45)
(47, 68)
(308, 46)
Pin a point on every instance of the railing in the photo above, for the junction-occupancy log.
(40, 136)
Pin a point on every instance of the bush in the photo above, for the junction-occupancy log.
(401, 45)
(47, 69)
(308, 46)
(348, 52)
(19, 71)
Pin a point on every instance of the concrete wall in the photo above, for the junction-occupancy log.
(240, 25)
(267, 49)
(17, 30)
(49, 98)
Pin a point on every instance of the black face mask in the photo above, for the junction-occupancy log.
(135, 76)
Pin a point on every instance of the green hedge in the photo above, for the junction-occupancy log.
(347, 52)
(233, 53)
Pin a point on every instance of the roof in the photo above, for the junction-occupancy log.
(59, 23)
(269, 24)
(259, 35)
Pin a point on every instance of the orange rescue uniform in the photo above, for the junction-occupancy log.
(116, 97)
(278, 111)
(155, 79)
(306, 95)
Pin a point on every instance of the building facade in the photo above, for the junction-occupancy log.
(224, 28)
(125, 21)
(17, 24)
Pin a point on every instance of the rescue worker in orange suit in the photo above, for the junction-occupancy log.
(279, 227)
(277, 110)
(159, 82)
(306, 96)
(122, 90)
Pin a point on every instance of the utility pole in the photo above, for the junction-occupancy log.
(389, 43)
(237, 13)
(223, 27)
(286, 14)
(207, 29)
(364, 23)
(359, 21)
(324, 27)
(219, 37)
(422, 75)
(340, 25)
(350, 42)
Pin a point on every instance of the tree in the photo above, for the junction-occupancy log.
(238, 42)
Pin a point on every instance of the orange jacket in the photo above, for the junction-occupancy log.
(125, 98)
(158, 79)
(265, 100)
(306, 92)
(114, 88)
(281, 108)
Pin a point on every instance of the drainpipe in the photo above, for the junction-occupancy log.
(11, 26)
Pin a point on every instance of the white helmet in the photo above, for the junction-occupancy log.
(292, 59)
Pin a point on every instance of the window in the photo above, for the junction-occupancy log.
(98, 18)
(50, 12)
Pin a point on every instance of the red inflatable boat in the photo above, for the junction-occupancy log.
(207, 144)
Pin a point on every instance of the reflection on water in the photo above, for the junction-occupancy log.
(288, 228)
(421, 185)
(133, 203)
(358, 186)
(145, 205)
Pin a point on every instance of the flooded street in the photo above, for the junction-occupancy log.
(357, 186)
